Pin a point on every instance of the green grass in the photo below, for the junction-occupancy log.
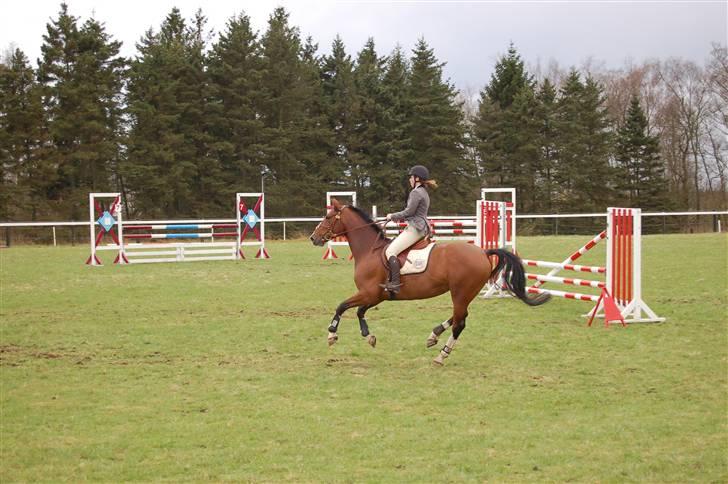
(220, 371)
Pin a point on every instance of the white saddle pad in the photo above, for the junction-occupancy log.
(416, 261)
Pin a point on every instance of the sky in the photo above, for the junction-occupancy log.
(469, 36)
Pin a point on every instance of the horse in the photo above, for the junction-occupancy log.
(459, 267)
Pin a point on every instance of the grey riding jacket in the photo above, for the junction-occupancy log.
(415, 214)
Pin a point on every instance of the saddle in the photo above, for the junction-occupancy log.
(414, 259)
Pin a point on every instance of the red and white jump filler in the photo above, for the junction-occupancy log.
(248, 230)
(620, 295)
(496, 229)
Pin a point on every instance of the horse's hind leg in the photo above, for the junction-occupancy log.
(459, 314)
(437, 331)
(458, 326)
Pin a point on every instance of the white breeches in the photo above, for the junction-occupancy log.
(408, 237)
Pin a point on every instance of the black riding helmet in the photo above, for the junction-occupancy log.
(419, 171)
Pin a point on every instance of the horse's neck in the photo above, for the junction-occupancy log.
(362, 238)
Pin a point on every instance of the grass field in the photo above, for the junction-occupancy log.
(220, 371)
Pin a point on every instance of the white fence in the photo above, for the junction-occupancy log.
(716, 217)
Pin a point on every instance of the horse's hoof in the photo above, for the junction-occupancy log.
(333, 338)
(438, 361)
(431, 342)
(372, 340)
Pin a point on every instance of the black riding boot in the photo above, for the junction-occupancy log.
(393, 285)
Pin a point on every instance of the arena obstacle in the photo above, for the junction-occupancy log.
(249, 220)
(507, 213)
(108, 219)
(254, 219)
(496, 228)
(620, 296)
(345, 197)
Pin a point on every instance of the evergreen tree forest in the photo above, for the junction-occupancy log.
(193, 118)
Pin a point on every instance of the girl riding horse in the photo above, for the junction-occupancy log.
(418, 227)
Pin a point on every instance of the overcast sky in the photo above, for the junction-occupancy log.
(468, 35)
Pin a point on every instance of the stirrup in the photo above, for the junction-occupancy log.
(390, 287)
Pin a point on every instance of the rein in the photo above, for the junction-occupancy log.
(331, 234)
(339, 234)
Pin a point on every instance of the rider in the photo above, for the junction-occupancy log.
(415, 214)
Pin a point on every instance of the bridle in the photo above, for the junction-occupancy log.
(330, 228)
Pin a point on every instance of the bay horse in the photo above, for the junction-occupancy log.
(459, 267)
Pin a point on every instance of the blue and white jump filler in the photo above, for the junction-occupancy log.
(247, 230)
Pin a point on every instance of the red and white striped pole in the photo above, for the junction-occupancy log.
(576, 255)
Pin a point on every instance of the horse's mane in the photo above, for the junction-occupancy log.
(368, 219)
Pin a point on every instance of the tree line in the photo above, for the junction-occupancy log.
(190, 120)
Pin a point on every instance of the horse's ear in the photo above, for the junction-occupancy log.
(336, 204)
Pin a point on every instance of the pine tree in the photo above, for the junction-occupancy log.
(101, 75)
(584, 140)
(235, 73)
(82, 76)
(61, 100)
(317, 140)
(508, 80)
(387, 177)
(641, 175)
(570, 145)
(24, 178)
(523, 127)
(505, 130)
(597, 175)
(548, 157)
(367, 148)
(296, 138)
(169, 170)
(337, 73)
(436, 129)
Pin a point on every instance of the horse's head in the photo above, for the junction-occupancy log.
(330, 226)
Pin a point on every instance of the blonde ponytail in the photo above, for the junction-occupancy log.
(430, 184)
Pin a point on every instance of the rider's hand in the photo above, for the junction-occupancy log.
(389, 217)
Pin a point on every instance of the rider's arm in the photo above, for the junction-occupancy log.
(413, 201)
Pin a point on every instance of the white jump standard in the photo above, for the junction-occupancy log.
(211, 245)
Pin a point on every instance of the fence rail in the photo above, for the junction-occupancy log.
(713, 221)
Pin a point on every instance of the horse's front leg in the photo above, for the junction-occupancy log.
(353, 301)
(371, 339)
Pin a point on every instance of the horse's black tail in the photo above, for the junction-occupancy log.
(514, 277)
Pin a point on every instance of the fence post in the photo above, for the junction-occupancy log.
(284, 230)
(7, 236)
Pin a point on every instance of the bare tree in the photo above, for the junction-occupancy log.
(717, 129)
(690, 101)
